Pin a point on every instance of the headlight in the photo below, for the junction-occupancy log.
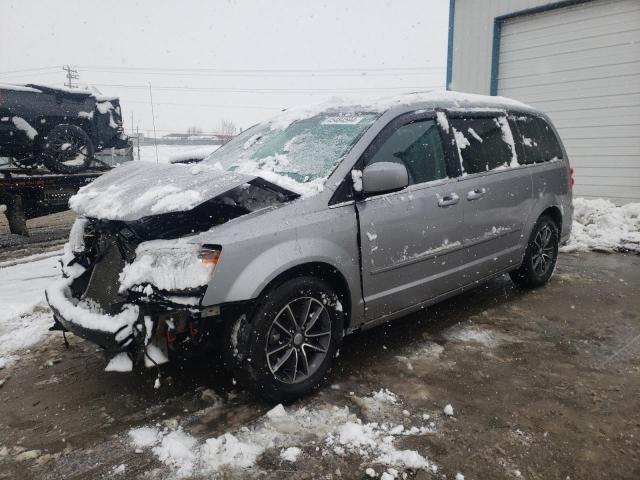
(209, 256)
(170, 266)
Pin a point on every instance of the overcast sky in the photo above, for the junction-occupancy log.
(212, 60)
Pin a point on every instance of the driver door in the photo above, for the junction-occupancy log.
(411, 240)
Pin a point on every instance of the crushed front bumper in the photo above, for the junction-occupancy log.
(105, 340)
(165, 324)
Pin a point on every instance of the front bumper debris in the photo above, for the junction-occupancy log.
(145, 331)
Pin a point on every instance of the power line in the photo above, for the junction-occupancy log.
(269, 90)
(207, 105)
(29, 75)
(25, 70)
(261, 70)
(362, 74)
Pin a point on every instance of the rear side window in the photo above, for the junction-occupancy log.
(538, 140)
(485, 143)
(418, 146)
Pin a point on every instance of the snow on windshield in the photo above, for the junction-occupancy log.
(299, 148)
(298, 154)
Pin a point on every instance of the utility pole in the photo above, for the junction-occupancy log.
(138, 137)
(153, 117)
(71, 76)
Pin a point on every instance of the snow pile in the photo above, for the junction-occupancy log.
(166, 264)
(328, 430)
(602, 226)
(20, 333)
(290, 454)
(473, 333)
(22, 290)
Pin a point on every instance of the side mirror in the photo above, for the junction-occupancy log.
(383, 177)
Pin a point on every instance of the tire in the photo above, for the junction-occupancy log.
(280, 362)
(541, 255)
(67, 149)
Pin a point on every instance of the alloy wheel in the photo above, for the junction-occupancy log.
(298, 340)
(543, 250)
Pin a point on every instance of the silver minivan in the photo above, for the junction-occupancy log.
(322, 221)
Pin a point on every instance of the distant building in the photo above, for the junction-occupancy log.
(578, 60)
(196, 139)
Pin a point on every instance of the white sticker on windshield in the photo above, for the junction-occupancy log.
(342, 119)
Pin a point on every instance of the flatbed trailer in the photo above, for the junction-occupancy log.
(35, 193)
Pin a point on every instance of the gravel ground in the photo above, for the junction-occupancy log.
(544, 385)
(47, 233)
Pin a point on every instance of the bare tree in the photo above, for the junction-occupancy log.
(194, 131)
(227, 127)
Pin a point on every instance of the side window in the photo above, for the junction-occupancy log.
(418, 146)
(485, 143)
(539, 142)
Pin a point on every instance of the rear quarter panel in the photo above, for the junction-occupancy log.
(550, 189)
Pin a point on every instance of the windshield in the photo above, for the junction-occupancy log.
(306, 151)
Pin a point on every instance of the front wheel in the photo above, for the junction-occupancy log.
(541, 255)
(290, 343)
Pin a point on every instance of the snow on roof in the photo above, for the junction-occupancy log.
(38, 88)
(18, 88)
(431, 99)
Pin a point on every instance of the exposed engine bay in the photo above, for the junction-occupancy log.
(115, 289)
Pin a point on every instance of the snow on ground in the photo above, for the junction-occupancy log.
(476, 334)
(21, 291)
(294, 432)
(169, 152)
(600, 225)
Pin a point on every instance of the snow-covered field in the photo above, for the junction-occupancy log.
(168, 152)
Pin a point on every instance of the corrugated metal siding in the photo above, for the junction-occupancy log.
(473, 40)
(581, 65)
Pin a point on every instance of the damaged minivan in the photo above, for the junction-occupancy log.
(320, 222)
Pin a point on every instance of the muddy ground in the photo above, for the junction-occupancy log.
(545, 384)
(46, 234)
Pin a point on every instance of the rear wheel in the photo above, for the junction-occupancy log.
(290, 343)
(67, 149)
(541, 255)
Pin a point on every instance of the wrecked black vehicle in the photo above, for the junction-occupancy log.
(59, 128)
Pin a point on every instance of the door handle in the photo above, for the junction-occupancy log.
(448, 199)
(476, 194)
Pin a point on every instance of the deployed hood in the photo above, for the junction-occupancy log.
(140, 189)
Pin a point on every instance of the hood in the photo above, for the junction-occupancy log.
(139, 189)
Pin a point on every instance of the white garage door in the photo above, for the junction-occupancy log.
(581, 65)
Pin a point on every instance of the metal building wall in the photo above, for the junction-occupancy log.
(473, 40)
(578, 60)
